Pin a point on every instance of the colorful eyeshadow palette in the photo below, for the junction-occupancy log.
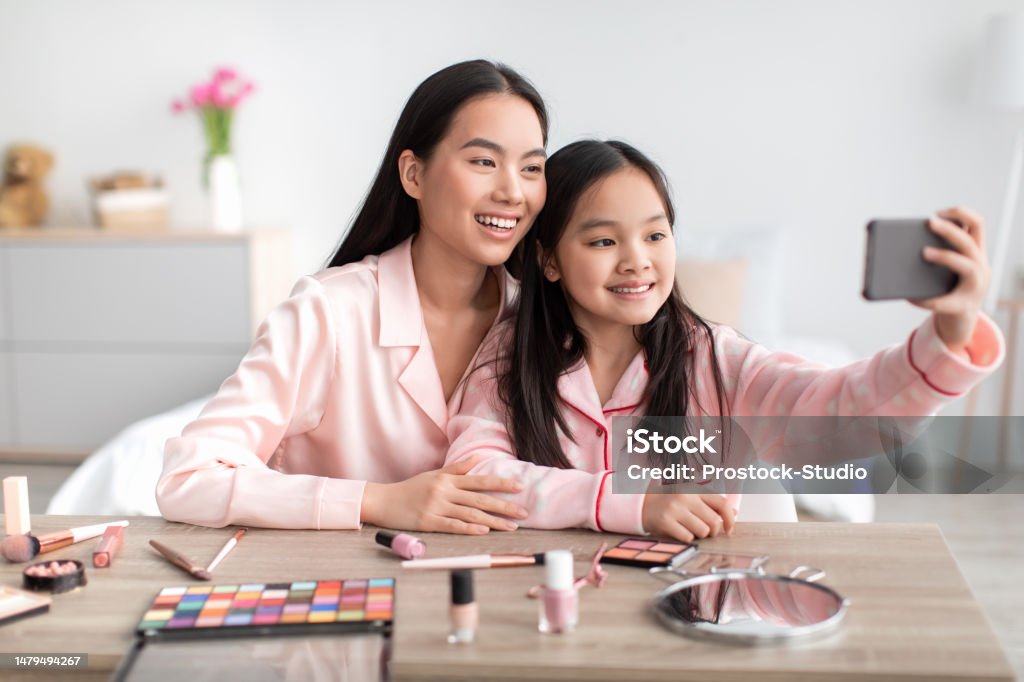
(276, 608)
(647, 553)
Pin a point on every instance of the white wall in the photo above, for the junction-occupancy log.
(807, 115)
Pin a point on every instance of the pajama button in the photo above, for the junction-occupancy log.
(599, 431)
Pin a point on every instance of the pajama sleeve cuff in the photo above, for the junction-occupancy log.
(947, 372)
(619, 513)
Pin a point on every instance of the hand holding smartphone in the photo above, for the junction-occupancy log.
(895, 267)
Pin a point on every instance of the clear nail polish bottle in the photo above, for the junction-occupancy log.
(464, 615)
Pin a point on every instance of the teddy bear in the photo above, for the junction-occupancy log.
(23, 201)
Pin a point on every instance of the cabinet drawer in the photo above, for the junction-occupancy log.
(157, 292)
(77, 401)
(6, 401)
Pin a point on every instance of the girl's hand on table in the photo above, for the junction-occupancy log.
(444, 500)
(957, 311)
(686, 517)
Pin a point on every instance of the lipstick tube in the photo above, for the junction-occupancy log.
(560, 602)
(464, 615)
(404, 545)
(109, 545)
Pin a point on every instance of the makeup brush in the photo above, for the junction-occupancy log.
(477, 561)
(20, 548)
(181, 561)
(228, 546)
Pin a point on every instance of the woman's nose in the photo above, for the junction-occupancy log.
(509, 188)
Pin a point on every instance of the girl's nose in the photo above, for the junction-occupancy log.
(634, 259)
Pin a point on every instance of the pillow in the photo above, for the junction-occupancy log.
(714, 289)
(763, 250)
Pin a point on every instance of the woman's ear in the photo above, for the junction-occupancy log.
(410, 172)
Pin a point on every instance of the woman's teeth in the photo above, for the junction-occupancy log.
(630, 290)
(500, 223)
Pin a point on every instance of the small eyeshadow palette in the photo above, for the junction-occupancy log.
(647, 553)
(364, 605)
(15, 604)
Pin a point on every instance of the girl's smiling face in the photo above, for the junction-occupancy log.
(483, 184)
(616, 259)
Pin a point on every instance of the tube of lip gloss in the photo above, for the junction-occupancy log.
(404, 545)
(559, 602)
(109, 545)
(464, 614)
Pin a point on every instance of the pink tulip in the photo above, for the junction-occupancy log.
(220, 98)
(201, 94)
(223, 74)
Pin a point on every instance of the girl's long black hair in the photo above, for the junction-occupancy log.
(546, 342)
(388, 215)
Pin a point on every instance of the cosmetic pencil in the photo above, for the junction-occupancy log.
(477, 561)
(181, 561)
(228, 546)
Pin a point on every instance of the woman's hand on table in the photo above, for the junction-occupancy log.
(445, 500)
(687, 517)
(957, 312)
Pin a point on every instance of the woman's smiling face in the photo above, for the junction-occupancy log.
(616, 259)
(483, 185)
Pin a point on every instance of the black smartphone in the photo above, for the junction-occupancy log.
(895, 266)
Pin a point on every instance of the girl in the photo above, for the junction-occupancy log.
(337, 414)
(602, 331)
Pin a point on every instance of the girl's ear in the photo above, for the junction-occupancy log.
(548, 265)
(410, 172)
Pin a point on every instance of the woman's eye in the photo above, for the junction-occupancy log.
(657, 236)
(602, 242)
(483, 162)
(534, 169)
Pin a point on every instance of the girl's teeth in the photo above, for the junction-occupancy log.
(631, 290)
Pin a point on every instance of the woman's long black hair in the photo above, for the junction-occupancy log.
(546, 342)
(388, 215)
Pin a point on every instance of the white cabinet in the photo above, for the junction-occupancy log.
(101, 328)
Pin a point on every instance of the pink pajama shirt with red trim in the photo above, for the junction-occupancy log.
(915, 378)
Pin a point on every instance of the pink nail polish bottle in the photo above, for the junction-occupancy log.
(464, 615)
(559, 603)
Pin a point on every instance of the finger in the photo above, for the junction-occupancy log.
(445, 524)
(490, 503)
(959, 239)
(972, 221)
(476, 516)
(721, 505)
(490, 483)
(966, 267)
(694, 524)
(677, 531)
(711, 518)
(463, 466)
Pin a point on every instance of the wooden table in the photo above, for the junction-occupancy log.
(912, 616)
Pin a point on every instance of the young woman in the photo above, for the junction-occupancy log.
(338, 413)
(602, 332)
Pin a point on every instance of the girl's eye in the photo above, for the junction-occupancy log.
(483, 162)
(602, 242)
(657, 236)
(534, 169)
